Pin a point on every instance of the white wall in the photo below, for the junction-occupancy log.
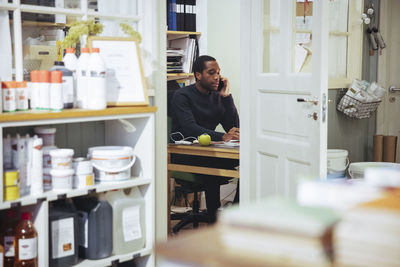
(223, 40)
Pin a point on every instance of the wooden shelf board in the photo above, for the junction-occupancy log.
(28, 23)
(72, 113)
(183, 33)
(179, 74)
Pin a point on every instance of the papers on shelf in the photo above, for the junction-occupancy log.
(232, 143)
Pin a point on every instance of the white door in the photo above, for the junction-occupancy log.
(388, 122)
(282, 138)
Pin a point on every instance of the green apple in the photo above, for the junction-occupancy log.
(204, 140)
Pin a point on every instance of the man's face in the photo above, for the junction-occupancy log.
(210, 76)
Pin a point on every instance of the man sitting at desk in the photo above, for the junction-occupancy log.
(198, 109)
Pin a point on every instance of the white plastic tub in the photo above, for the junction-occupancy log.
(61, 179)
(357, 169)
(112, 163)
(338, 161)
(61, 158)
(47, 134)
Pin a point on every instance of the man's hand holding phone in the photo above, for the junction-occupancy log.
(233, 134)
(223, 87)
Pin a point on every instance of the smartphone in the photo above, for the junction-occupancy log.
(220, 85)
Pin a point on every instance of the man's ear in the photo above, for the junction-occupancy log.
(197, 75)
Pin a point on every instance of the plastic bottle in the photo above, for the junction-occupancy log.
(82, 73)
(68, 84)
(26, 242)
(9, 96)
(7, 153)
(56, 91)
(8, 236)
(96, 93)
(22, 96)
(35, 90)
(35, 165)
(71, 63)
(63, 236)
(44, 89)
(95, 226)
(128, 220)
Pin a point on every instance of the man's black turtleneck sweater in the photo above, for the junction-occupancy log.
(194, 113)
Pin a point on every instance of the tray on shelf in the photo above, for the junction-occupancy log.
(357, 109)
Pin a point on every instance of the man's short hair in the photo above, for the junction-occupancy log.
(198, 65)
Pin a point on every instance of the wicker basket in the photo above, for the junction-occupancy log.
(355, 108)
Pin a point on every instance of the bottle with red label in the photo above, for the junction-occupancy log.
(26, 242)
(7, 238)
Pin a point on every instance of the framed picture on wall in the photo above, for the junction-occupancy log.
(126, 85)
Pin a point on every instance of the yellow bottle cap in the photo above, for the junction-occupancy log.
(11, 178)
(11, 193)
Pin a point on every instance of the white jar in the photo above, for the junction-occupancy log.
(44, 89)
(83, 173)
(61, 179)
(61, 158)
(56, 91)
(47, 134)
(35, 90)
(96, 93)
(82, 75)
(9, 96)
(22, 96)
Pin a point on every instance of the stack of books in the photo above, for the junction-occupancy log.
(369, 235)
(181, 54)
(174, 60)
(280, 231)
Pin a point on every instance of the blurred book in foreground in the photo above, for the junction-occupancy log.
(283, 231)
(369, 235)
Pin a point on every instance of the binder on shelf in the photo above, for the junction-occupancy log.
(180, 15)
(172, 26)
(190, 15)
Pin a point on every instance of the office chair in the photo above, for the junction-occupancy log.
(184, 187)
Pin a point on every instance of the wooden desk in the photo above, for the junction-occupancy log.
(207, 151)
(198, 150)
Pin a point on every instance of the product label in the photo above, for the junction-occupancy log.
(62, 238)
(83, 229)
(9, 246)
(100, 74)
(9, 101)
(131, 223)
(27, 248)
(68, 89)
(89, 179)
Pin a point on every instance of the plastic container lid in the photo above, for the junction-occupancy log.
(44, 76)
(70, 50)
(110, 151)
(9, 84)
(61, 172)
(56, 76)
(95, 50)
(85, 50)
(62, 152)
(337, 153)
(45, 130)
(35, 76)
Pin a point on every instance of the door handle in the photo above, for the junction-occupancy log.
(393, 89)
(308, 100)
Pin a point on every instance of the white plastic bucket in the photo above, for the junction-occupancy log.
(61, 179)
(82, 166)
(112, 163)
(357, 169)
(61, 158)
(338, 161)
(83, 180)
(47, 134)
